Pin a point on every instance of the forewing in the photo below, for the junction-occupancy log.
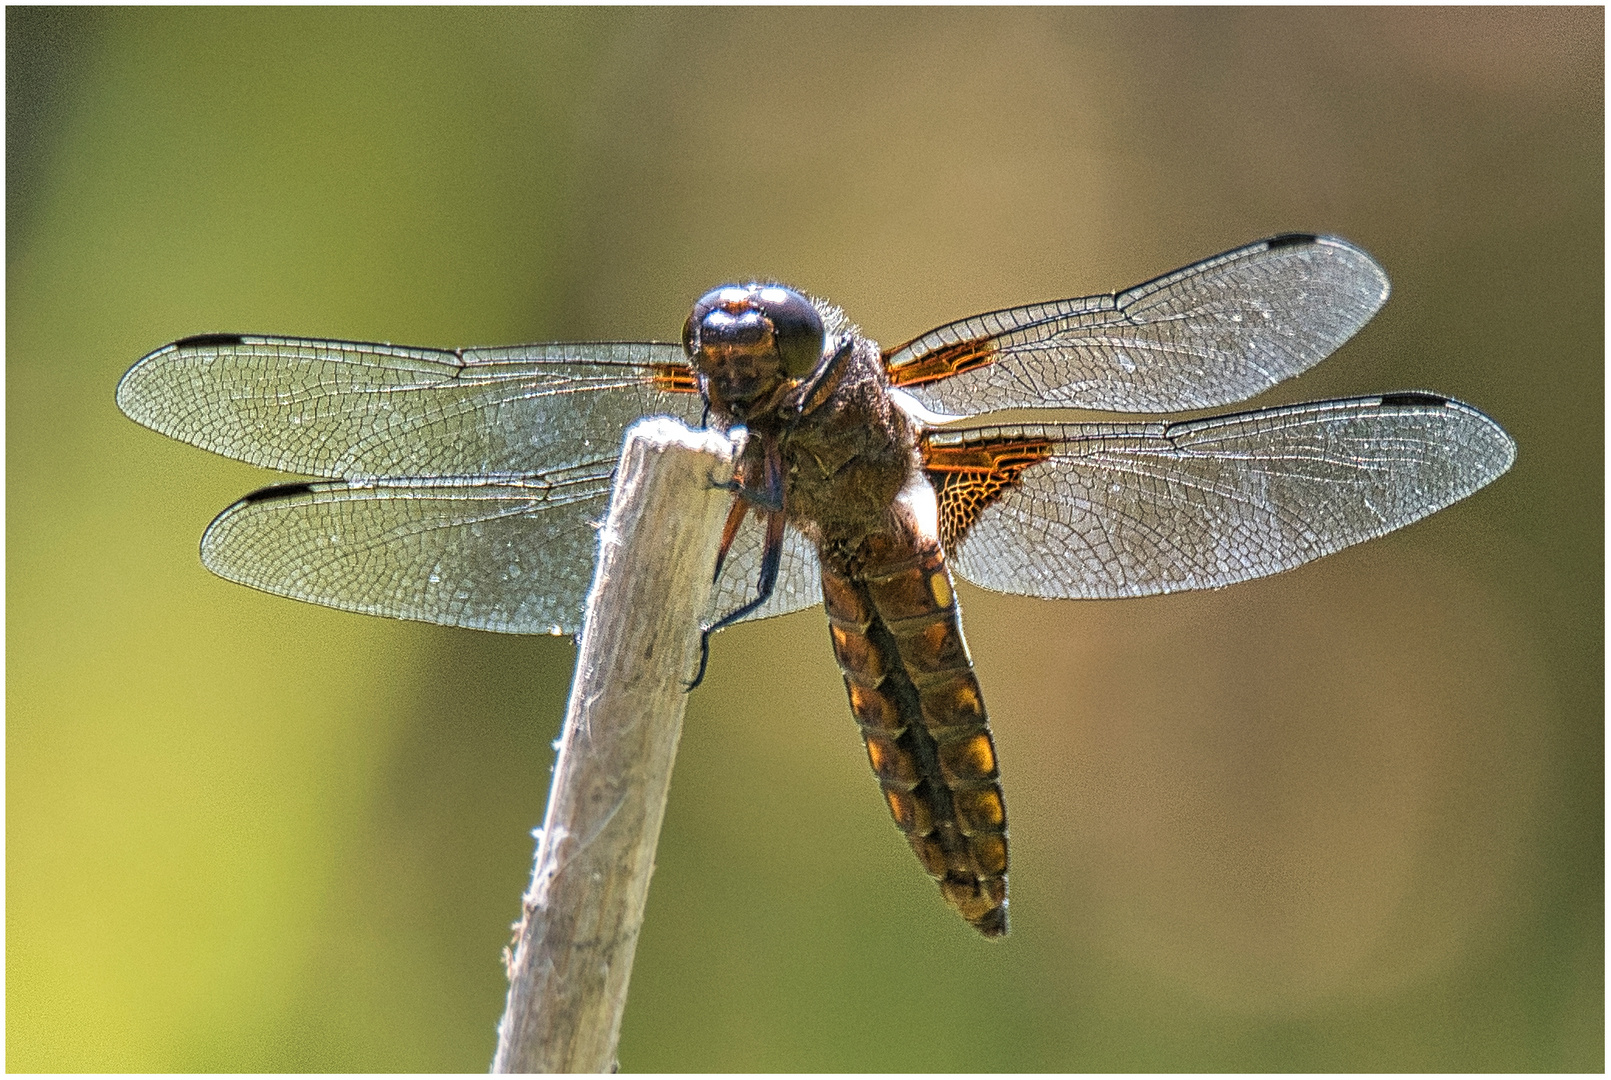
(1210, 334)
(350, 409)
(1110, 510)
(513, 555)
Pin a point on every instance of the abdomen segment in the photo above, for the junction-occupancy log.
(897, 634)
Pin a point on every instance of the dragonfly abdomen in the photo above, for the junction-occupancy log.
(897, 634)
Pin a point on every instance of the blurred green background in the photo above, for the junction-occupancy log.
(1349, 818)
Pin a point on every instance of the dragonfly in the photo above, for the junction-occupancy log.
(463, 486)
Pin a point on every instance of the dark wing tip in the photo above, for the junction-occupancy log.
(208, 341)
(1408, 398)
(1347, 253)
(132, 387)
(1291, 239)
(227, 519)
(272, 493)
(1498, 443)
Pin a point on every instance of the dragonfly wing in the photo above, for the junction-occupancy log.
(1210, 334)
(1111, 510)
(349, 409)
(513, 555)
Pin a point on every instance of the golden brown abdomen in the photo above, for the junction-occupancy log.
(897, 633)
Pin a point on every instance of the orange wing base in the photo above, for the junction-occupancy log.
(942, 363)
(969, 477)
(675, 379)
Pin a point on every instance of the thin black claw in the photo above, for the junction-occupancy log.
(704, 658)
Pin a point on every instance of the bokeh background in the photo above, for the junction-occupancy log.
(1349, 818)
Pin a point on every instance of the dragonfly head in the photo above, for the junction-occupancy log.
(749, 340)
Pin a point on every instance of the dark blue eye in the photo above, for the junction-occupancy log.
(796, 328)
(750, 317)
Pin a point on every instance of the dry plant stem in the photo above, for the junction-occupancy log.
(573, 954)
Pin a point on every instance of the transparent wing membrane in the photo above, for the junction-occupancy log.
(1114, 510)
(1211, 334)
(514, 555)
(474, 476)
(463, 487)
(347, 409)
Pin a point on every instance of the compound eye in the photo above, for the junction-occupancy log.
(716, 311)
(796, 328)
(702, 307)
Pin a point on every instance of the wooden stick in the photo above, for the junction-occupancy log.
(573, 953)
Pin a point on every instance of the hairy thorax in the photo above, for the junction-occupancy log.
(846, 459)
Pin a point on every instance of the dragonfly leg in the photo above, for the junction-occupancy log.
(735, 518)
(769, 498)
(771, 561)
